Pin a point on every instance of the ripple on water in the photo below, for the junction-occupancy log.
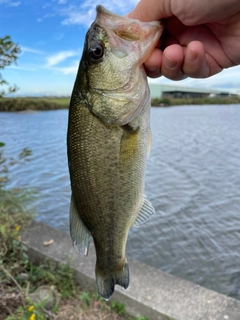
(192, 179)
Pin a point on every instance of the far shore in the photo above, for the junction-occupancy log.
(31, 104)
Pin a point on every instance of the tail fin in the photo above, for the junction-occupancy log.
(106, 282)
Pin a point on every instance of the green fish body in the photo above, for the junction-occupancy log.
(108, 142)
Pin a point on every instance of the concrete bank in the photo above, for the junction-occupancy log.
(152, 293)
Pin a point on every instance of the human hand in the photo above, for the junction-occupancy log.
(200, 38)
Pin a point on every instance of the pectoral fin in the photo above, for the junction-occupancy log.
(79, 233)
(146, 212)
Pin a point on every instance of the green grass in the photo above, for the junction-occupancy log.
(14, 263)
(61, 101)
(20, 278)
(54, 103)
(195, 101)
(34, 104)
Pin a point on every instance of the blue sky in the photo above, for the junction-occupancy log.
(51, 35)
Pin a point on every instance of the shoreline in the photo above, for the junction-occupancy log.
(32, 104)
(152, 293)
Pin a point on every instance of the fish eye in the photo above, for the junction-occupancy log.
(96, 50)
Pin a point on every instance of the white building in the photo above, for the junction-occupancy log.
(173, 91)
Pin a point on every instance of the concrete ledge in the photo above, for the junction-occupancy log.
(152, 293)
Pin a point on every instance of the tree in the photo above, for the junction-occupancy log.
(9, 52)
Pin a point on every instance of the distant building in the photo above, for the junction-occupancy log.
(173, 91)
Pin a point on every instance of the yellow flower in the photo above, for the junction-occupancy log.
(30, 309)
(17, 228)
(32, 317)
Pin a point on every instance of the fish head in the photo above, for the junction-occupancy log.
(114, 82)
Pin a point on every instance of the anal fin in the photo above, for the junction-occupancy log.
(145, 213)
(79, 233)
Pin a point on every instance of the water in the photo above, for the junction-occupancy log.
(192, 179)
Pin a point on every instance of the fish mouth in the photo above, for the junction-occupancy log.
(127, 43)
(130, 30)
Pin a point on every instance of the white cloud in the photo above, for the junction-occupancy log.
(23, 68)
(59, 57)
(228, 79)
(74, 17)
(26, 49)
(60, 1)
(86, 12)
(72, 69)
(77, 12)
(14, 4)
(10, 3)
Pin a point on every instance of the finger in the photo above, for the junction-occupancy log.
(167, 39)
(151, 10)
(195, 63)
(172, 61)
(152, 65)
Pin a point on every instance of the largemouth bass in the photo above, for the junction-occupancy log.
(108, 141)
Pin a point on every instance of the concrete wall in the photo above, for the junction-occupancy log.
(152, 293)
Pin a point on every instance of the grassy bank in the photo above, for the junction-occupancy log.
(54, 103)
(38, 104)
(38, 292)
(21, 282)
(195, 101)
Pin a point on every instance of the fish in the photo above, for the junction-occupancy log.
(108, 142)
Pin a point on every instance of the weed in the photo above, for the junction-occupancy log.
(60, 276)
(20, 279)
(86, 298)
(138, 318)
(29, 312)
(118, 307)
(171, 101)
(6, 162)
(20, 104)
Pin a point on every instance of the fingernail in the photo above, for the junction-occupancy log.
(192, 55)
(152, 68)
(169, 63)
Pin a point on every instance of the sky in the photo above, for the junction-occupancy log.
(51, 36)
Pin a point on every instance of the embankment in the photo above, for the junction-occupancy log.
(54, 103)
(153, 293)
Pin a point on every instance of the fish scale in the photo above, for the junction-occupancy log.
(108, 134)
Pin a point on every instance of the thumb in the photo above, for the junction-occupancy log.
(151, 10)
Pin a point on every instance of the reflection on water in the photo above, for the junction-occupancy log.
(192, 179)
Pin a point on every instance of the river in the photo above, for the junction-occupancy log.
(192, 179)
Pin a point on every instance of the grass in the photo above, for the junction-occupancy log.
(34, 104)
(165, 101)
(21, 280)
(54, 103)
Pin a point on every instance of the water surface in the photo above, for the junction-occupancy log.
(192, 179)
